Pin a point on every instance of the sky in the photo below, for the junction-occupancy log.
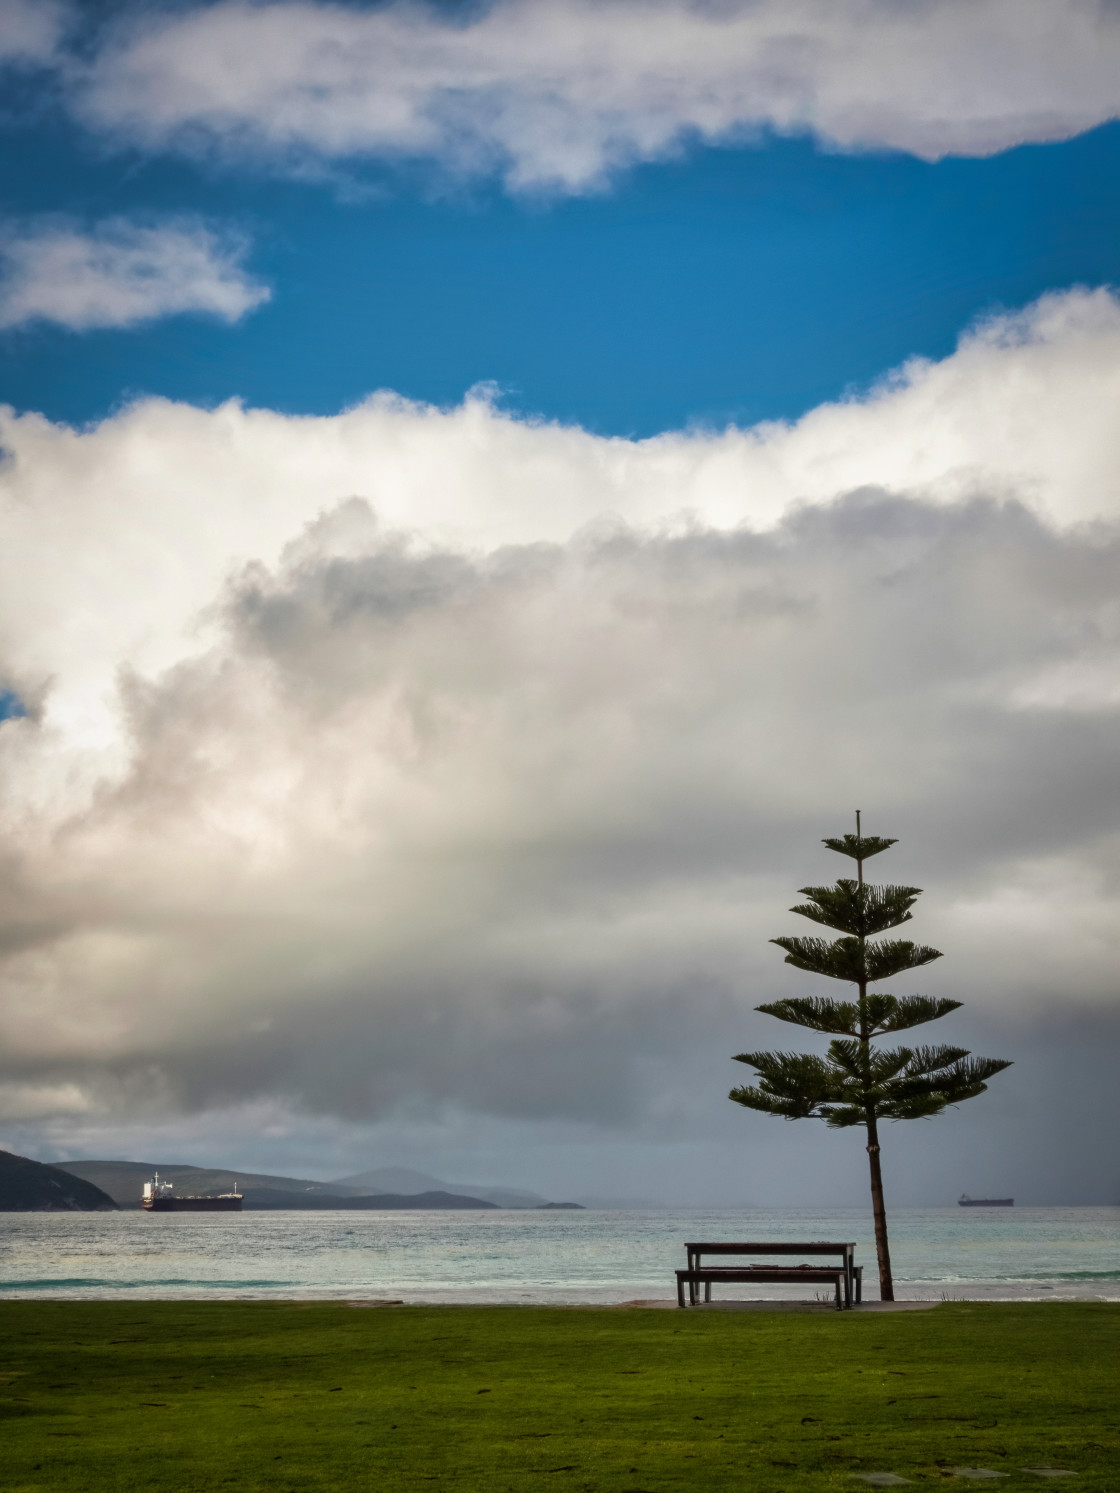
(485, 489)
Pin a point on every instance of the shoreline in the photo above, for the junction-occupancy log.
(138, 1297)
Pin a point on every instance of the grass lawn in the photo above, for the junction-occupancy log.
(201, 1396)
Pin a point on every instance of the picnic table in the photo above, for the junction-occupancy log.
(847, 1274)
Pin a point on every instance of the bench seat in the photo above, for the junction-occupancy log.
(707, 1275)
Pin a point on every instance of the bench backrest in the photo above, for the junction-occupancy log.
(817, 1247)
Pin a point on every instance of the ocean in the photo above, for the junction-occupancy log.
(999, 1254)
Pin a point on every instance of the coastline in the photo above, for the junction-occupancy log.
(518, 1257)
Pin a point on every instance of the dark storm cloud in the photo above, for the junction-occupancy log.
(507, 832)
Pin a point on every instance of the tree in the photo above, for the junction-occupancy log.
(857, 1082)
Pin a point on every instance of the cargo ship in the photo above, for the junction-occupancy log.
(158, 1197)
(964, 1201)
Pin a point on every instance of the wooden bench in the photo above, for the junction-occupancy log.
(709, 1275)
(845, 1250)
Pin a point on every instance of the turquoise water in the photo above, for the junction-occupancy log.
(979, 1254)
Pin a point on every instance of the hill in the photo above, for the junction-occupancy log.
(409, 1183)
(28, 1186)
(381, 1187)
(123, 1180)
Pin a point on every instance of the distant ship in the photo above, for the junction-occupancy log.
(964, 1201)
(157, 1198)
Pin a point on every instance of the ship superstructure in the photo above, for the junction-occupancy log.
(159, 1197)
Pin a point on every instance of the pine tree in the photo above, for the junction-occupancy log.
(857, 1082)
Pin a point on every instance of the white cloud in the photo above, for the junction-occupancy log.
(23, 1102)
(485, 788)
(30, 30)
(555, 94)
(120, 273)
(1025, 408)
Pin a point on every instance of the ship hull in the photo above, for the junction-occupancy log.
(192, 1205)
(986, 1203)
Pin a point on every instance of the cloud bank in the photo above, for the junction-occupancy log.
(555, 95)
(120, 273)
(421, 760)
(31, 31)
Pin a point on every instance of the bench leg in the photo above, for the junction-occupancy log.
(839, 1303)
(680, 1293)
(707, 1290)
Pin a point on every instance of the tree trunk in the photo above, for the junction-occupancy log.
(882, 1248)
(878, 1208)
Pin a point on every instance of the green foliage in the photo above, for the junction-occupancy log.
(862, 910)
(859, 847)
(855, 1082)
(263, 1397)
(882, 1012)
(896, 1083)
(795, 1085)
(891, 1013)
(853, 959)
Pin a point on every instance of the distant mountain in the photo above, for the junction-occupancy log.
(123, 1180)
(28, 1186)
(403, 1180)
(390, 1186)
(266, 1197)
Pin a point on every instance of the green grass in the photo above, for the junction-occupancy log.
(186, 1396)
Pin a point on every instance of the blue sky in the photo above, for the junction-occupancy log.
(418, 779)
(728, 285)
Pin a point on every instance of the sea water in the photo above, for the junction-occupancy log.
(1036, 1254)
